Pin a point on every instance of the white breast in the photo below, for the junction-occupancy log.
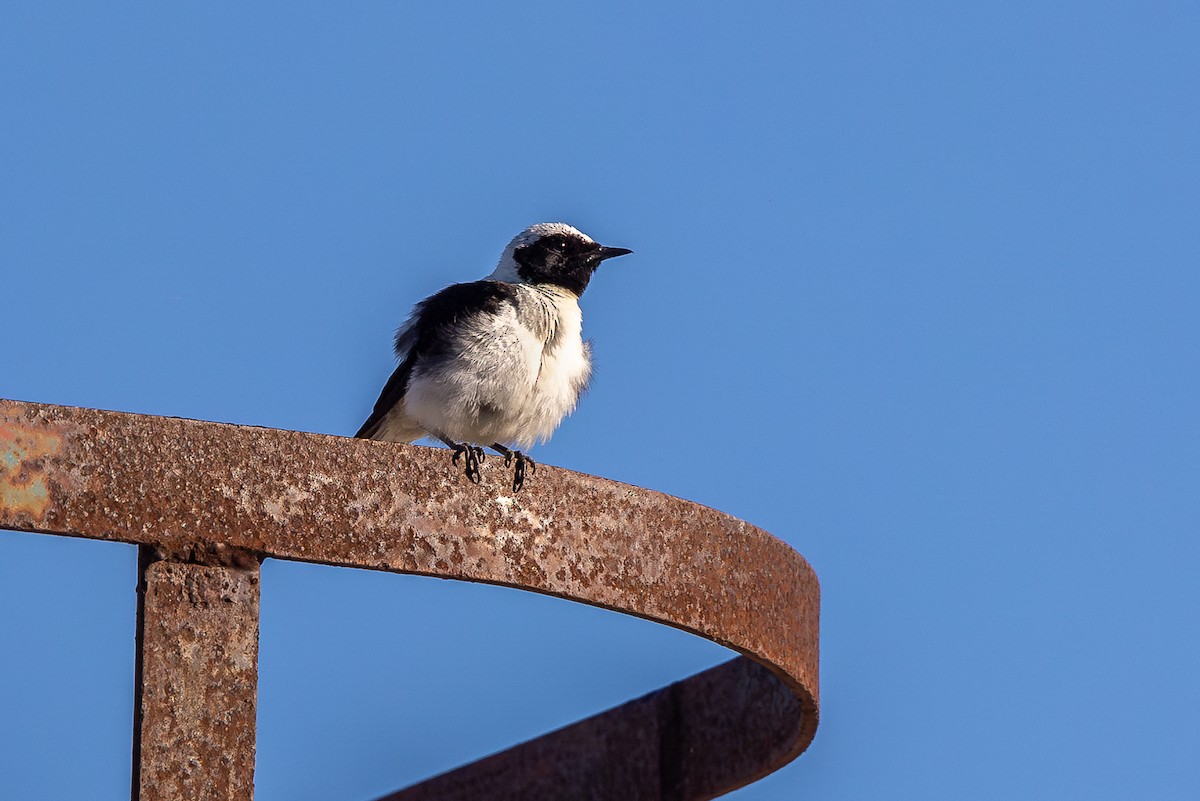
(563, 372)
(516, 375)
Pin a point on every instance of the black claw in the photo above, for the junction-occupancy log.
(523, 464)
(472, 456)
(519, 470)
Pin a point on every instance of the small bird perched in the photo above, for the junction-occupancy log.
(496, 362)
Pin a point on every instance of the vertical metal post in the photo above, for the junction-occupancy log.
(197, 681)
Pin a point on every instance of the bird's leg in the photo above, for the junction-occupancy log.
(507, 453)
(522, 461)
(472, 456)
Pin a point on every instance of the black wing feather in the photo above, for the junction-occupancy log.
(435, 320)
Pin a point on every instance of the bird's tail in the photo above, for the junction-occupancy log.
(390, 428)
(369, 428)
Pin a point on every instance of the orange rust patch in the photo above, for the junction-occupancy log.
(23, 489)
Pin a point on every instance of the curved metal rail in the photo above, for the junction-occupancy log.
(207, 501)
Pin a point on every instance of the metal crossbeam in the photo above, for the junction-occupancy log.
(208, 501)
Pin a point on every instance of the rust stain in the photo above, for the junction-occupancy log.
(23, 489)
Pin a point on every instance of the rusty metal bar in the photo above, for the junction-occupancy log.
(197, 683)
(173, 483)
(670, 745)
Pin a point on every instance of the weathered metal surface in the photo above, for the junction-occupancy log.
(206, 491)
(198, 677)
(691, 740)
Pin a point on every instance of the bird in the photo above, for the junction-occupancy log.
(498, 362)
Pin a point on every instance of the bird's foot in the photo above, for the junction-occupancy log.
(523, 462)
(472, 456)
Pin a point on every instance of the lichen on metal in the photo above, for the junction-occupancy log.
(22, 485)
(217, 494)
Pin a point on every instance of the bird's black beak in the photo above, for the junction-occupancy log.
(608, 253)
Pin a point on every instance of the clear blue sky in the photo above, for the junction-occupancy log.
(916, 289)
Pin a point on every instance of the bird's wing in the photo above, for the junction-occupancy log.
(427, 332)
